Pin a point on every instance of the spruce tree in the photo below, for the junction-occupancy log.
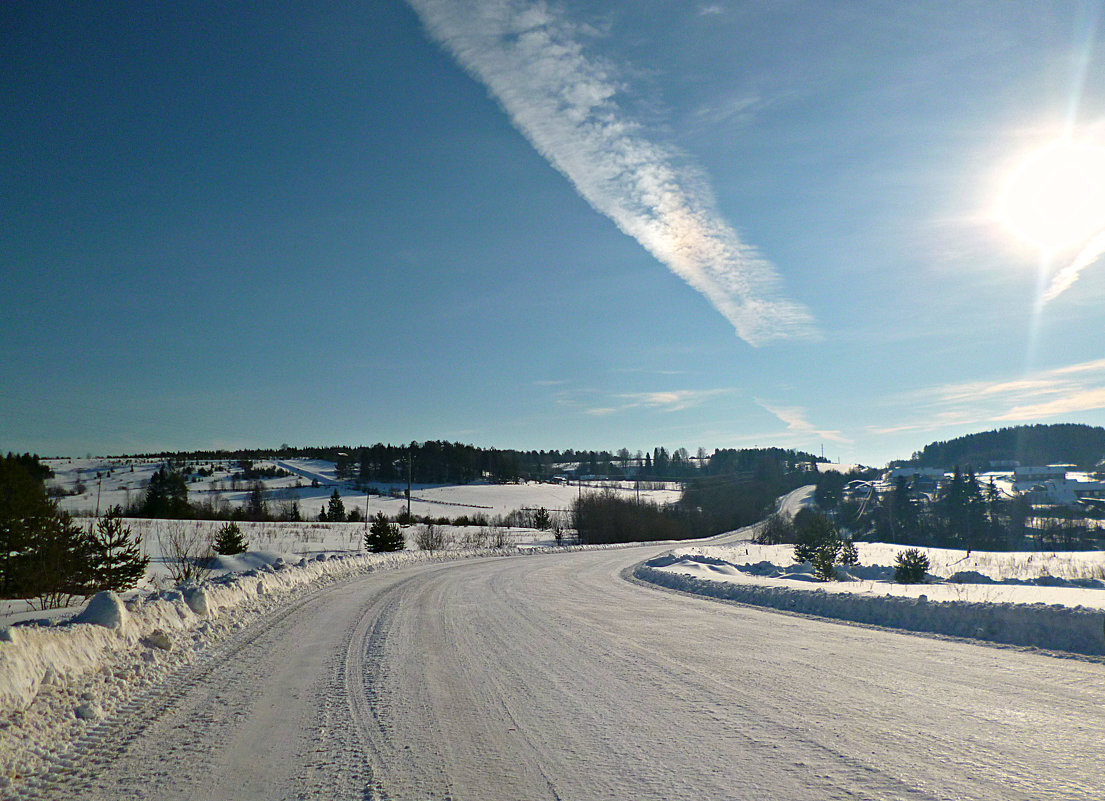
(55, 568)
(335, 511)
(229, 540)
(383, 536)
(117, 561)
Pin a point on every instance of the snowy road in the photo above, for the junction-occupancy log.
(552, 677)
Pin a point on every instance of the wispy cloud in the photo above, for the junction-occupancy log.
(564, 101)
(594, 402)
(1058, 391)
(1066, 277)
(795, 419)
(673, 400)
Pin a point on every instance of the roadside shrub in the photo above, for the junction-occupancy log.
(910, 567)
(429, 537)
(187, 550)
(775, 530)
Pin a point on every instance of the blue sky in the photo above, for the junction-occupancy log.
(539, 225)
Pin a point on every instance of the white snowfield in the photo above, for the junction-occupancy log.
(542, 677)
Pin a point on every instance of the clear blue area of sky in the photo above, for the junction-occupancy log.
(225, 225)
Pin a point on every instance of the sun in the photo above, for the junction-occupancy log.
(1055, 198)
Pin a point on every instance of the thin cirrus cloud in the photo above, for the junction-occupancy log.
(1066, 277)
(796, 422)
(668, 401)
(1046, 393)
(563, 100)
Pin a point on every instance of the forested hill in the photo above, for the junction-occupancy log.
(1061, 443)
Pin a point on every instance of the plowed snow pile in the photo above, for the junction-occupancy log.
(1046, 600)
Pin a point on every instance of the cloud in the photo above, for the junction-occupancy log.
(564, 101)
(673, 400)
(796, 422)
(1076, 402)
(1063, 279)
(1058, 391)
(594, 402)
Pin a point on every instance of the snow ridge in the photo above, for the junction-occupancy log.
(1050, 626)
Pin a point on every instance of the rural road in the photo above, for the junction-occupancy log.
(551, 677)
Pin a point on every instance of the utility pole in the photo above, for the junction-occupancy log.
(409, 458)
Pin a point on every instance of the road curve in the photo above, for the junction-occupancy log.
(551, 677)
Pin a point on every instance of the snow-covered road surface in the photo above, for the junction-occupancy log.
(552, 677)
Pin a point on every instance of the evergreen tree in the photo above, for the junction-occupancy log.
(335, 510)
(229, 540)
(55, 567)
(256, 504)
(820, 545)
(166, 496)
(117, 561)
(24, 509)
(383, 536)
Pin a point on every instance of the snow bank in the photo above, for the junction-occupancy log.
(35, 656)
(1051, 626)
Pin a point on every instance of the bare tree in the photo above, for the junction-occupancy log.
(186, 549)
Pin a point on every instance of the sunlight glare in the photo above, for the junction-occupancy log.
(1055, 198)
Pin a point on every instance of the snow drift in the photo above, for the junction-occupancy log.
(1051, 626)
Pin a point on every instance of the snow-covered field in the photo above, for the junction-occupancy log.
(110, 482)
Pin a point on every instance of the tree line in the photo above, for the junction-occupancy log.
(441, 462)
(1058, 443)
(962, 512)
(736, 489)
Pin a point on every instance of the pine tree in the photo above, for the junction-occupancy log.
(820, 545)
(335, 511)
(229, 540)
(383, 536)
(24, 508)
(117, 561)
(55, 567)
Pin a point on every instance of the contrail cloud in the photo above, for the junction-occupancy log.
(1066, 277)
(564, 102)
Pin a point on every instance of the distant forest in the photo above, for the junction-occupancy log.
(435, 462)
(1060, 443)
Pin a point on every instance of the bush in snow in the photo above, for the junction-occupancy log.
(775, 530)
(187, 550)
(430, 538)
(383, 536)
(229, 540)
(910, 567)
